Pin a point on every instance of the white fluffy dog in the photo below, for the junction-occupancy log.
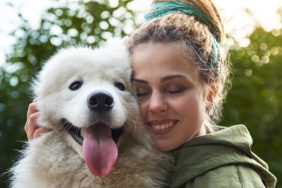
(98, 140)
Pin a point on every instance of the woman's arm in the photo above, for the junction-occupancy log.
(32, 129)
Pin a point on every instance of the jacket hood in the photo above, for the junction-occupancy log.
(226, 146)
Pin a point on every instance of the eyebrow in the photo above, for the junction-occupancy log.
(139, 81)
(164, 79)
(172, 77)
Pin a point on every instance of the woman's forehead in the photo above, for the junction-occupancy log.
(161, 57)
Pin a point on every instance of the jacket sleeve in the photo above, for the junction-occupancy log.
(235, 176)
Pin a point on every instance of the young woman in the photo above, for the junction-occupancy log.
(181, 75)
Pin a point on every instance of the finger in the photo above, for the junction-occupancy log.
(38, 132)
(31, 109)
(31, 125)
(35, 99)
(26, 127)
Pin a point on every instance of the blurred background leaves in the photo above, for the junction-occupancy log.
(255, 98)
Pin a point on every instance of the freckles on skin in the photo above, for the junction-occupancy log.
(164, 76)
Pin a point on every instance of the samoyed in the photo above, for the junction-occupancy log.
(97, 139)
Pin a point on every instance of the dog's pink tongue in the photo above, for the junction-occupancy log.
(99, 150)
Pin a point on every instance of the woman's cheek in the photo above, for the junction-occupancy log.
(142, 109)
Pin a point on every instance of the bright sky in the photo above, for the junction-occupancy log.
(237, 22)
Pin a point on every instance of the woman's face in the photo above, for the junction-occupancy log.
(171, 95)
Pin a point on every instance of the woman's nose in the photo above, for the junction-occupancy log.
(157, 103)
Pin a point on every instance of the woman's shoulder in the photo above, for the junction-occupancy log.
(228, 176)
(212, 173)
(220, 158)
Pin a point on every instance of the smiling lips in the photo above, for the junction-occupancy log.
(161, 127)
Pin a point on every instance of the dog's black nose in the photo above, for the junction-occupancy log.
(100, 101)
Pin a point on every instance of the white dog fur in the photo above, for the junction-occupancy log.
(55, 159)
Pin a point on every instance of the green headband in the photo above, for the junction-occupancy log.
(160, 9)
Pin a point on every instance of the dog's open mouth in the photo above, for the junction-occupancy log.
(99, 145)
(76, 132)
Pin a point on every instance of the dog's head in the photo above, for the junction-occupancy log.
(88, 93)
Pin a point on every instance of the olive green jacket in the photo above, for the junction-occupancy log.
(220, 159)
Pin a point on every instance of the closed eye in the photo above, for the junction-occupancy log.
(142, 91)
(141, 94)
(175, 90)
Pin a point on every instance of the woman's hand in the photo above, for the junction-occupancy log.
(32, 129)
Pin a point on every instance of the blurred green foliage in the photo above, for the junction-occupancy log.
(255, 98)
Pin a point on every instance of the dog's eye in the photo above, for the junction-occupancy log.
(120, 86)
(75, 85)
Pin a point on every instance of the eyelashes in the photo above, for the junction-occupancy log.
(171, 90)
(176, 90)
